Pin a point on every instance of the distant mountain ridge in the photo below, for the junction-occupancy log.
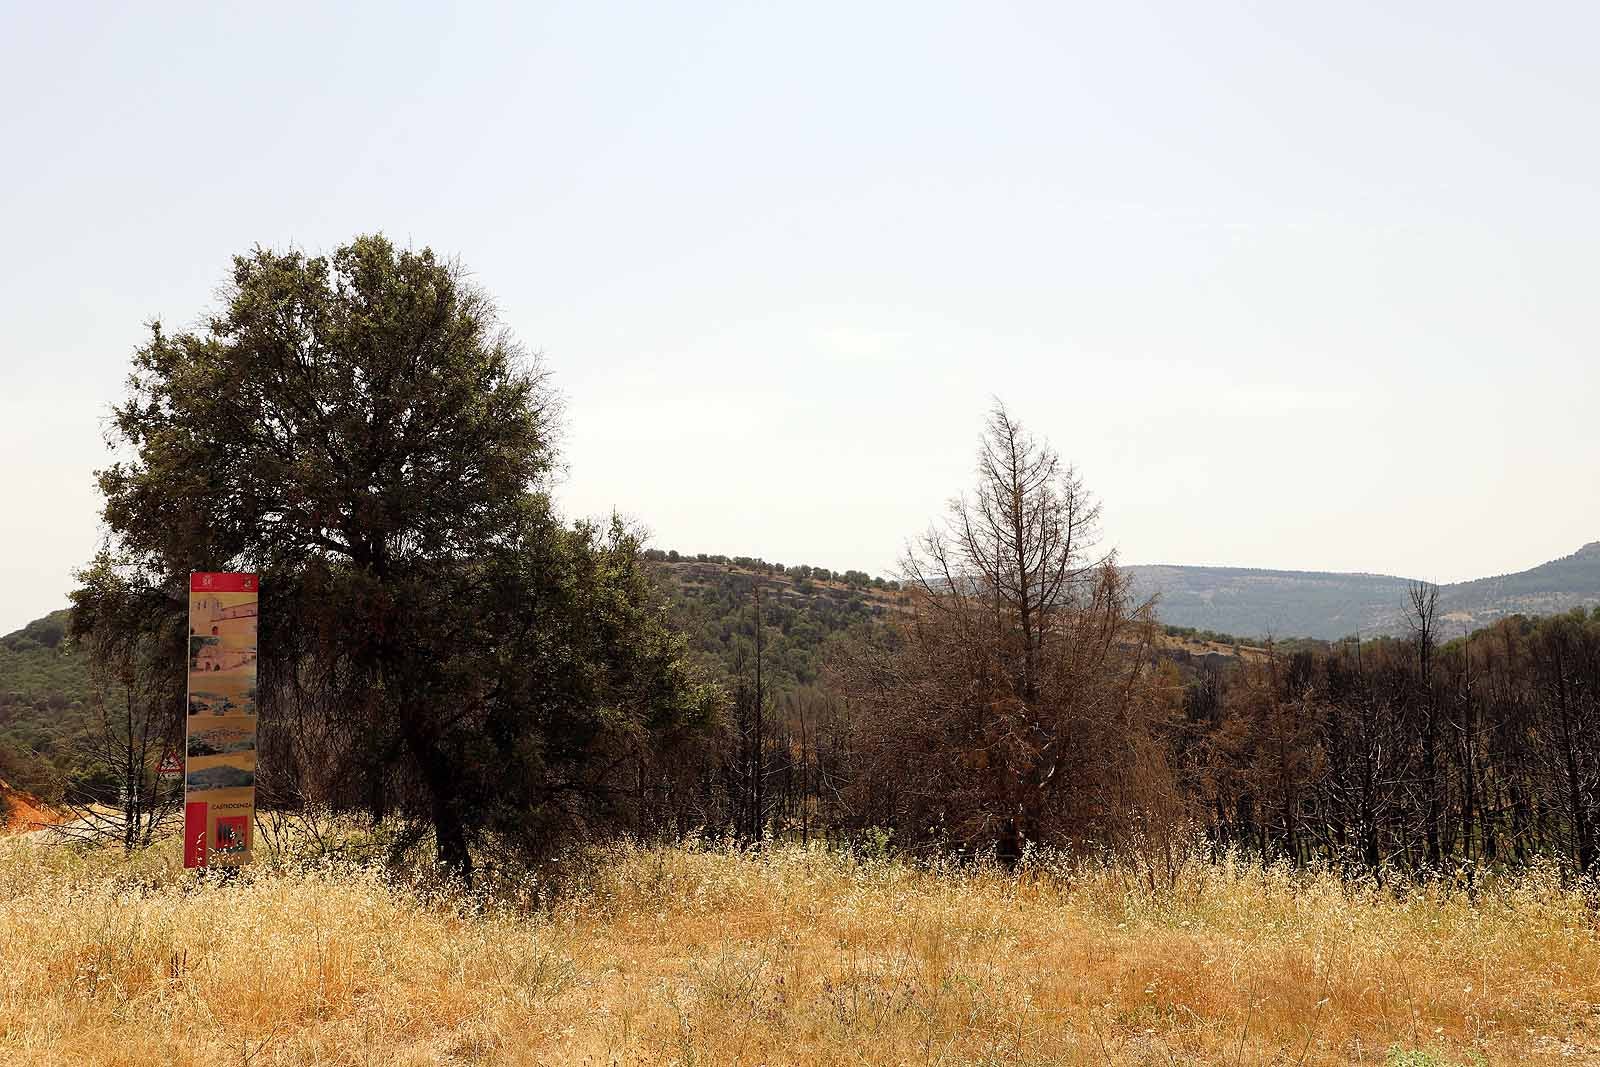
(1331, 605)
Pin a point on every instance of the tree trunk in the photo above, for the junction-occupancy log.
(449, 828)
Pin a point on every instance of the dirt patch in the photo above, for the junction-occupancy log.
(21, 812)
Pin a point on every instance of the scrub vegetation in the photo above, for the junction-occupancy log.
(694, 954)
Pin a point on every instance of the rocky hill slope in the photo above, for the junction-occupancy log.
(1331, 605)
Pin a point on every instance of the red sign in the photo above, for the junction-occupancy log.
(222, 582)
(171, 766)
(194, 834)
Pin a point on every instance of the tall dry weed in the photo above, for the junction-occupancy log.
(703, 955)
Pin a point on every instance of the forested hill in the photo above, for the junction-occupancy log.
(44, 694)
(45, 686)
(803, 609)
(1330, 605)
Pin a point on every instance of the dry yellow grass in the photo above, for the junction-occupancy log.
(798, 956)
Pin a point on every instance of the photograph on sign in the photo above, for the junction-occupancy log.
(211, 740)
(219, 772)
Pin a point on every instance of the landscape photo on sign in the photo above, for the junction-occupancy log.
(221, 739)
(224, 772)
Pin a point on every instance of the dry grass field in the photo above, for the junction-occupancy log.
(701, 956)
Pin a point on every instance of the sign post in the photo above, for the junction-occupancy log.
(219, 781)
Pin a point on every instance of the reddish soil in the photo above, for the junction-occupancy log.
(21, 812)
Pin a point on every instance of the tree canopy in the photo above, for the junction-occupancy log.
(363, 431)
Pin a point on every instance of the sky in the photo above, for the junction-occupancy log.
(1303, 286)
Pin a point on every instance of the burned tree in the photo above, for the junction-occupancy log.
(1008, 709)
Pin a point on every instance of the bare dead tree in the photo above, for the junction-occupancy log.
(1003, 712)
(1422, 615)
(135, 644)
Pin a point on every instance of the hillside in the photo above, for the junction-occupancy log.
(1559, 585)
(803, 608)
(44, 694)
(45, 686)
(1329, 605)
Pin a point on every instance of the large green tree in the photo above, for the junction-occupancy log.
(436, 643)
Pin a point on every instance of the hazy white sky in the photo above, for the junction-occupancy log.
(1303, 286)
